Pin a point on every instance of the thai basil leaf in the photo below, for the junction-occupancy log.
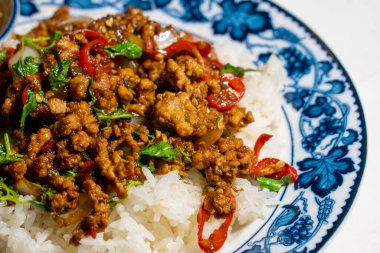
(57, 77)
(6, 154)
(106, 118)
(126, 48)
(30, 66)
(29, 107)
(185, 155)
(161, 150)
(31, 41)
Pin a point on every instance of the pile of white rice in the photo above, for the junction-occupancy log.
(160, 216)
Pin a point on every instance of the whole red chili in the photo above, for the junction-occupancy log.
(230, 95)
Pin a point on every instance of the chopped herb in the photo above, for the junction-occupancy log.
(91, 92)
(207, 186)
(106, 118)
(44, 200)
(30, 66)
(218, 119)
(274, 184)
(136, 135)
(151, 137)
(29, 107)
(126, 48)
(161, 150)
(238, 71)
(6, 154)
(7, 193)
(32, 41)
(70, 173)
(57, 77)
(3, 53)
(187, 116)
(149, 167)
(185, 155)
(113, 202)
(126, 150)
(133, 183)
(42, 95)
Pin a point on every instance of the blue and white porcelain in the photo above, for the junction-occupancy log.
(9, 12)
(323, 111)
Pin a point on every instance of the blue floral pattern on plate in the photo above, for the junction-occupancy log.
(322, 108)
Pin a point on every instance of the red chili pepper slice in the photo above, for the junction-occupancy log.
(24, 95)
(149, 45)
(203, 47)
(87, 166)
(179, 46)
(270, 167)
(219, 236)
(260, 142)
(229, 96)
(49, 145)
(93, 35)
(11, 51)
(86, 61)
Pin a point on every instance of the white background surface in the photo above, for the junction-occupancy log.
(351, 28)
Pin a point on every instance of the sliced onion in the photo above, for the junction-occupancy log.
(165, 39)
(211, 137)
(75, 215)
(25, 187)
(75, 20)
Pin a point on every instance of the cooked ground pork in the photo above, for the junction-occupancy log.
(91, 126)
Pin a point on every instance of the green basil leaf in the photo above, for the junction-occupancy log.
(70, 173)
(57, 77)
(91, 92)
(106, 118)
(126, 48)
(31, 41)
(30, 66)
(228, 68)
(6, 154)
(7, 193)
(185, 155)
(161, 150)
(218, 119)
(29, 107)
(141, 165)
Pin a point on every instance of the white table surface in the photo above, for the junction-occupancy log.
(351, 28)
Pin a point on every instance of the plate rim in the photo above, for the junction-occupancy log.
(361, 118)
(363, 149)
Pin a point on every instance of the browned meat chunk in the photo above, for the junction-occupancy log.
(57, 106)
(67, 49)
(79, 86)
(38, 140)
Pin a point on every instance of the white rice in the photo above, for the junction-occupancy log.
(160, 216)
